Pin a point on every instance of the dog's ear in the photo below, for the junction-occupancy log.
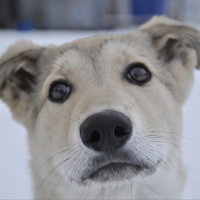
(178, 48)
(173, 40)
(18, 71)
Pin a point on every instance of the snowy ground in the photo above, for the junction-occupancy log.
(14, 172)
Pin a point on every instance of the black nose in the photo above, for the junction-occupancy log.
(106, 131)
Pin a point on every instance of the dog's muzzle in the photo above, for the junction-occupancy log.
(107, 134)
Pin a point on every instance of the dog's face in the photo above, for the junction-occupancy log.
(107, 108)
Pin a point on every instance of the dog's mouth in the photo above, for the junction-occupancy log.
(117, 171)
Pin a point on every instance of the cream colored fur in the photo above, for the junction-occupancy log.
(95, 66)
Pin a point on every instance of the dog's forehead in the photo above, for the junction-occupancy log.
(100, 55)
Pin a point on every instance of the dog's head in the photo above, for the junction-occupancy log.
(104, 108)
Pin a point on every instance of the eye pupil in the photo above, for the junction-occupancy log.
(59, 91)
(139, 74)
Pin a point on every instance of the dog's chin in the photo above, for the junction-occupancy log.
(116, 171)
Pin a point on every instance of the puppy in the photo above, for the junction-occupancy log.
(104, 113)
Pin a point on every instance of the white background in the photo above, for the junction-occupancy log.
(15, 179)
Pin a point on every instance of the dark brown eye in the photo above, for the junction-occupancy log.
(138, 74)
(59, 91)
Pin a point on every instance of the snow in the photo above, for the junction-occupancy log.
(14, 155)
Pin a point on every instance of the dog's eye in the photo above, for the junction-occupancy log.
(59, 91)
(138, 73)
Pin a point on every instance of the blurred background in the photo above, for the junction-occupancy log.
(91, 14)
(60, 21)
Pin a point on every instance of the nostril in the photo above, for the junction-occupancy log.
(95, 137)
(120, 132)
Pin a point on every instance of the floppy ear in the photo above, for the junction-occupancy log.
(178, 47)
(18, 71)
(172, 39)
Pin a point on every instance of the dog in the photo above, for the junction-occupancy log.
(104, 113)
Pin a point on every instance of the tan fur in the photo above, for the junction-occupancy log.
(95, 67)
